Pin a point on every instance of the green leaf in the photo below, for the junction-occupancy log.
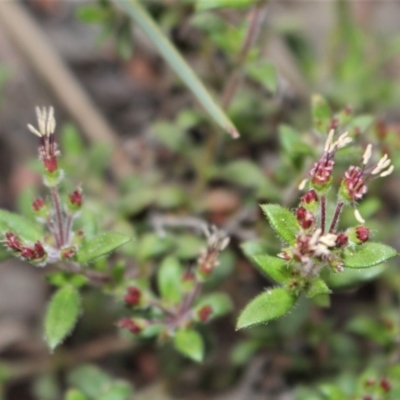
(267, 306)
(19, 225)
(101, 245)
(190, 343)
(292, 143)
(89, 379)
(264, 73)
(368, 255)
(170, 135)
(317, 287)
(188, 246)
(152, 245)
(321, 113)
(169, 280)
(202, 5)
(139, 14)
(92, 14)
(220, 303)
(359, 124)
(254, 248)
(61, 315)
(274, 267)
(117, 391)
(74, 394)
(282, 221)
(352, 277)
(243, 172)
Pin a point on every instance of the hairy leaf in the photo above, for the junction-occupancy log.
(274, 267)
(62, 315)
(19, 225)
(368, 255)
(282, 221)
(267, 306)
(189, 343)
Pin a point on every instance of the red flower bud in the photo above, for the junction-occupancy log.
(28, 253)
(132, 297)
(76, 197)
(342, 240)
(385, 385)
(309, 197)
(187, 276)
(130, 325)
(39, 250)
(204, 313)
(362, 233)
(38, 204)
(305, 218)
(13, 242)
(50, 164)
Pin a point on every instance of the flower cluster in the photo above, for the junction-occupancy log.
(177, 306)
(60, 241)
(318, 244)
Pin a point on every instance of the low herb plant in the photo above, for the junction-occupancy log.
(313, 241)
(75, 257)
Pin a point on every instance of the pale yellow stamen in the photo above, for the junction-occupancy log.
(358, 216)
(367, 154)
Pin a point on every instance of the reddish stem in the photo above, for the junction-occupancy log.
(323, 214)
(336, 216)
(58, 213)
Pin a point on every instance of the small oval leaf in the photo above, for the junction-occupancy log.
(61, 316)
(220, 304)
(189, 343)
(101, 245)
(267, 306)
(368, 255)
(282, 221)
(274, 267)
(19, 225)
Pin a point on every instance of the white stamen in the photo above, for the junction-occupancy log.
(46, 122)
(303, 184)
(387, 172)
(358, 216)
(367, 154)
(315, 236)
(34, 130)
(328, 240)
(329, 141)
(383, 163)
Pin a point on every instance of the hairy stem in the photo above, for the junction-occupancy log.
(323, 214)
(58, 214)
(336, 216)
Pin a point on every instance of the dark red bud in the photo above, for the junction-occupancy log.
(50, 164)
(76, 197)
(130, 325)
(342, 240)
(38, 204)
(28, 253)
(187, 276)
(305, 218)
(39, 250)
(362, 233)
(13, 242)
(204, 313)
(132, 297)
(309, 197)
(385, 385)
